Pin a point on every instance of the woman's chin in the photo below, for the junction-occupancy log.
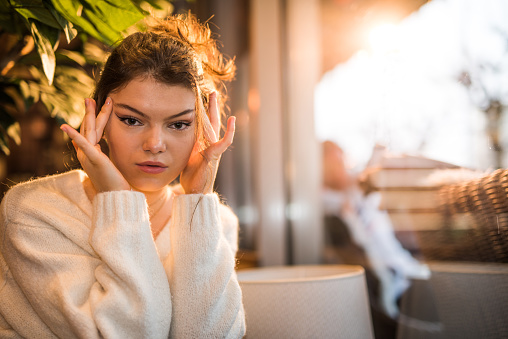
(149, 185)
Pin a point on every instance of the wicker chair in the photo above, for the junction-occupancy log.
(486, 200)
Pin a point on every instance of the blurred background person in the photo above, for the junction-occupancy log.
(359, 233)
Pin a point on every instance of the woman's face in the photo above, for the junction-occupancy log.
(151, 132)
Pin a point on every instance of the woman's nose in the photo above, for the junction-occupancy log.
(154, 142)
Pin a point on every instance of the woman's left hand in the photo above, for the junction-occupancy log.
(199, 174)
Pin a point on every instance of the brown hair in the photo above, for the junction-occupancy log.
(176, 51)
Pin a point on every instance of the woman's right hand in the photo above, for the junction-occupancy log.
(101, 171)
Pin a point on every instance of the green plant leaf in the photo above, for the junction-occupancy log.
(14, 131)
(149, 4)
(67, 26)
(71, 55)
(94, 54)
(104, 20)
(117, 14)
(10, 20)
(72, 10)
(8, 127)
(108, 35)
(34, 9)
(35, 73)
(45, 38)
(43, 11)
(4, 143)
(29, 92)
(65, 99)
(157, 8)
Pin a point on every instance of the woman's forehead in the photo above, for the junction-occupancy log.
(147, 94)
(148, 87)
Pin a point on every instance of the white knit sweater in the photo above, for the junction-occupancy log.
(72, 268)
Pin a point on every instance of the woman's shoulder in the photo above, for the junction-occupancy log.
(42, 193)
(57, 182)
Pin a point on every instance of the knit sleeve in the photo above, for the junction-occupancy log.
(207, 300)
(117, 288)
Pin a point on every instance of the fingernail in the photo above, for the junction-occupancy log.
(87, 102)
(108, 100)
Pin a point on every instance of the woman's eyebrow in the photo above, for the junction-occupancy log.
(134, 110)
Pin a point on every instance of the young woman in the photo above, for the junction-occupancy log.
(112, 250)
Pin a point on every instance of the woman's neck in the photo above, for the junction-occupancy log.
(155, 198)
(159, 208)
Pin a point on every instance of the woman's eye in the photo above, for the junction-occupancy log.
(180, 125)
(129, 121)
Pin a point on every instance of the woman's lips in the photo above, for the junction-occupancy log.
(152, 167)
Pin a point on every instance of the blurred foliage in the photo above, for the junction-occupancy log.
(49, 50)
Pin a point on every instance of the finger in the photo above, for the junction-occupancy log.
(103, 118)
(75, 146)
(208, 130)
(213, 111)
(70, 131)
(230, 131)
(80, 142)
(222, 145)
(88, 125)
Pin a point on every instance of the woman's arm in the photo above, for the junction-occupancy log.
(207, 300)
(116, 289)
